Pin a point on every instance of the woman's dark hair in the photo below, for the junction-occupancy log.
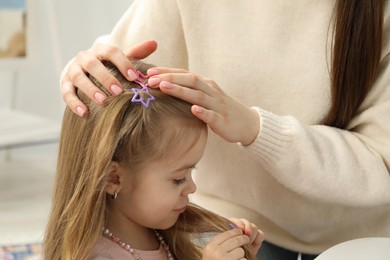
(355, 58)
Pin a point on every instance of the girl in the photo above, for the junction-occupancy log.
(123, 180)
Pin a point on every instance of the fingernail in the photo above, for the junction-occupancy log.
(152, 72)
(80, 111)
(116, 89)
(100, 97)
(200, 110)
(132, 75)
(233, 225)
(154, 81)
(166, 84)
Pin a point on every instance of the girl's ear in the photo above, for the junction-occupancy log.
(114, 178)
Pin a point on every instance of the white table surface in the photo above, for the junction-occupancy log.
(370, 248)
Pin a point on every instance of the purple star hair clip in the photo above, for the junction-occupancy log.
(137, 98)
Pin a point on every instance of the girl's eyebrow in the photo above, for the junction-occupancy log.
(185, 167)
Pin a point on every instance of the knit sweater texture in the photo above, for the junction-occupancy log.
(306, 185)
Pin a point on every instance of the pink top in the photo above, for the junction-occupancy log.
(107, 249)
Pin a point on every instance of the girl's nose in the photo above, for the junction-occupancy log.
(190, 187)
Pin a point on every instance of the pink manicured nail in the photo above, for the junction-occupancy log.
(116, 89)
(154, 81)
(166, 84)
(132, 75)
(152, 72)
(100, 97)
(80, 111)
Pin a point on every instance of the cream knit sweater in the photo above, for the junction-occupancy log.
(307, 186)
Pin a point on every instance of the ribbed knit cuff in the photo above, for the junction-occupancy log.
(274, 137)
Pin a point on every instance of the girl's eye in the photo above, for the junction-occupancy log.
(180, 181)
(187, 173)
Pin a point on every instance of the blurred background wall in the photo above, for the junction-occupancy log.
(56, 31)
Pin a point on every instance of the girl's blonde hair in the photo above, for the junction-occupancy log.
(128, 133)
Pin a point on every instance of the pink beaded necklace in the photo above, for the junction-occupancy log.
(107, 233)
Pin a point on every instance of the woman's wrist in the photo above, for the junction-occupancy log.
(251, 133)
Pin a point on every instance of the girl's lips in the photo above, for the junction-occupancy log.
(181, 210)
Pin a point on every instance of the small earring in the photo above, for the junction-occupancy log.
(115, 195)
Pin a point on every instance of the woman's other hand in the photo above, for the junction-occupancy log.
(226, 116)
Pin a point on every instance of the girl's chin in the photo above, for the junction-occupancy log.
(166, 225)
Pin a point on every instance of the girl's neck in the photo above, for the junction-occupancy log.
(139, 237)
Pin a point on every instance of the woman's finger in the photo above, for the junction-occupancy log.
(162, 70)
(79, 79)
(142, 50)
(91, 65)
(90, 62)
(210, 117)
(74, 103)
(185, 80)
(116, 56)
(192, 96)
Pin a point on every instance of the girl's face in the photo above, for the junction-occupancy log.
(155, 196)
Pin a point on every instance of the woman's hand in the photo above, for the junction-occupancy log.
(226, 116)
(226, 246)
(90, 62)
(256, 236)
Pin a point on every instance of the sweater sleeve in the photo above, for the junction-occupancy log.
(153, 20)
(348, 166)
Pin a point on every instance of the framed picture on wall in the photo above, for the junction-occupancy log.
(19, 33)
(13, 33)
